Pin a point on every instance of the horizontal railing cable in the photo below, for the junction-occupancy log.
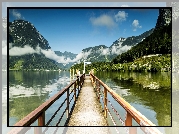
(61, 116)
(109, 110)
(56, 112)
(115, 111)
(112, 119)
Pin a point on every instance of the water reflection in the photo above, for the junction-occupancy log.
(28, 90)
(149, 93)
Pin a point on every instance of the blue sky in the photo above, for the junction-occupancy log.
(75, 29)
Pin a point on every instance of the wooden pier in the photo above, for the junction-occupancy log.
(87, 111)
(91, 106)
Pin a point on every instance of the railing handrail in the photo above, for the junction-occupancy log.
(136, 115)
(33, 116)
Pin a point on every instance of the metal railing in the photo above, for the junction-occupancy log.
(39, 113)
(131, 112)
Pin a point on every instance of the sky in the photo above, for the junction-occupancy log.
(75, 29)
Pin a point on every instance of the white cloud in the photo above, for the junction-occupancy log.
(51, 55)
(81, 55)
(18, 51)
(105, 51)
(16, 14)
(125, 48)
(121, 16)
(118, 49)
(136, 25)
(103, 20)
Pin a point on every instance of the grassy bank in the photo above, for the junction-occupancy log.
(150, 63)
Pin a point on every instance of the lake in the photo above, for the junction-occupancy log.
(149, 93)
(28, 90)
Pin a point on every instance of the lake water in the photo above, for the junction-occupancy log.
(28, 90)
(149, 93)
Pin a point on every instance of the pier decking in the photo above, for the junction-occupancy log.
(87, 111)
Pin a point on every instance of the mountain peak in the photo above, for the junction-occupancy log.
(121, 39)
(23, 32)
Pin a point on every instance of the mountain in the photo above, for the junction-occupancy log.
(22, 34)
(66, 55)
(159, 42)
(103, 53)
(132, 41)
(96, 53)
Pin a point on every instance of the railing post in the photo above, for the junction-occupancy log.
(128, 121)
(41, 119)
(67, 102)
(74, 91)
(105, 102)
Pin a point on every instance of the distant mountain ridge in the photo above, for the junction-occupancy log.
(133, 40)
(121, 45)
(66, 54)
